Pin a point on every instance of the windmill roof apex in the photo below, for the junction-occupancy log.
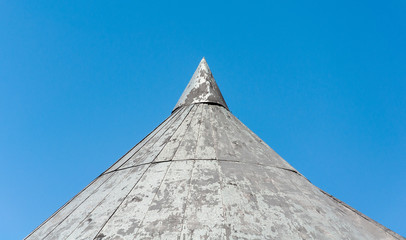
(202, 88)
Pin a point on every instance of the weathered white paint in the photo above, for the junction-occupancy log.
(130, 215)
(205, 141)
(202, 88)
(169, 150)
(150, 150)
(187, 147)
(203, 217)
(68, 208)
(141, 144)
(166, 212)
(202, 174)
(90, 226)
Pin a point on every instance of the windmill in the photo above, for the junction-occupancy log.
(202, 174)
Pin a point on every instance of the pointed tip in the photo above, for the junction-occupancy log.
(203, 63)
(202, 88)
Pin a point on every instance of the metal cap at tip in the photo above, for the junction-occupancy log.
(202, 88)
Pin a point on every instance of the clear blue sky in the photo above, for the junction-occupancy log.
(81, 82)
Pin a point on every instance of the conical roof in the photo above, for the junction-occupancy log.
(202, 88)
(202, 174)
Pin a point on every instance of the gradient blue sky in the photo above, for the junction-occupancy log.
(81, 82)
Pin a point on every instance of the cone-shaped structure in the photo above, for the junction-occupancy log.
(202, 88)
(202, 174)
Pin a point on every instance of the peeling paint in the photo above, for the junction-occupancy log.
(202, 88)
(202, 174)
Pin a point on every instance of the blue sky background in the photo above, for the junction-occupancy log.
(81, 82)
